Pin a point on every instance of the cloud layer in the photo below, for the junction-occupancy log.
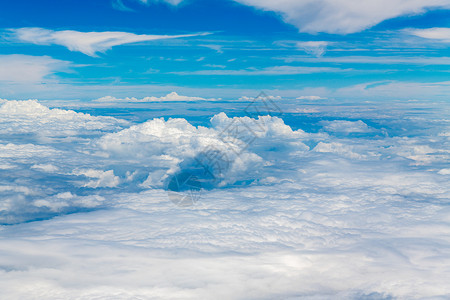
(303, 196)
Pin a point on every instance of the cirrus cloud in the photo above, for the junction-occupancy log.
(89, 43)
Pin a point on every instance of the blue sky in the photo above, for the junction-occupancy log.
(383, 50)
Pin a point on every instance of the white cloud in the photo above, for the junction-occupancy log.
(32, 117)
(169, 97)
(19, 68)
(295, 217)
(437, 33)
(103, 178)
(342, 16)
(89, 43)
(346, 126)
(338, 148)
(384, 60)
(316, 48)
(311, 98)
(172, 2)
(276, 70)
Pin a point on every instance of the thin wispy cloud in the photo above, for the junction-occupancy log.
(89, 43)
(384, 60)
(316, 48)
(276, 70)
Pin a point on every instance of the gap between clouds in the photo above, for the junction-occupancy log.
(89, 43)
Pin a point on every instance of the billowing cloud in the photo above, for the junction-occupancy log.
(89, 43)
(295, 216)
(32, 117)
(342, 16)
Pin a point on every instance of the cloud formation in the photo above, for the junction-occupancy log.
(338, 17)
(89, 43)
(19, 68)
(169, 97)
(295, 216)
(437, 33)
(343, 16)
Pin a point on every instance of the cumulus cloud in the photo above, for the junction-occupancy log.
(344, 16)
(175, 145)
(26, 68)
(89, 43)
(101, 178)
(169, 97)
(32, 117)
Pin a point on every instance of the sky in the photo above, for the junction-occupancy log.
(85, 50)
(240, 149)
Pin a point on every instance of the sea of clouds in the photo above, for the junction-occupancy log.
(324, 200)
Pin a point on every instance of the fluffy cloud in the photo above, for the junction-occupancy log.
(295, 216)
(346, 126)
(343, 16)
(169, 97)
(27, 68)
(101, 178)
(89, 43)
(32, 117)
(175, 146)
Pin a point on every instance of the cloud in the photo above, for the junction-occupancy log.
(18, 68)
(384, 60)
(32, 117)
(172, 2)
(316, 48)
(346, 126)
(276, 70)
(311, 98)
(169, 97)
(103, 178)
(172, 146)
(89, 43)
(343, 16)
(295, 217)
(437, 33)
